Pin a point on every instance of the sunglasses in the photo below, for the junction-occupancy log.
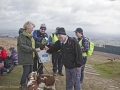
(43, 29)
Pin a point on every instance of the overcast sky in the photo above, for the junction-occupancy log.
(91, 15)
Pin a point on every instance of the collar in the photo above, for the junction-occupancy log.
(65, 40)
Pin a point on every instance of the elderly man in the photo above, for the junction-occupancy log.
(71, 57)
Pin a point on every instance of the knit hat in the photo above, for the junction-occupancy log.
(61, 31)
(79, 30)
(43, 26)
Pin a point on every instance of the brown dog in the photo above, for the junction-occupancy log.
(32, 83)
(46, 81)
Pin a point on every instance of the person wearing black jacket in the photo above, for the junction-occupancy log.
(71, 56)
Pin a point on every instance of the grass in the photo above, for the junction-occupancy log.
(11, 80)
(109, 69)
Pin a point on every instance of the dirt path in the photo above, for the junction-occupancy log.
(94, 81)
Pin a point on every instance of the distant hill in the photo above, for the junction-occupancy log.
(97, 38)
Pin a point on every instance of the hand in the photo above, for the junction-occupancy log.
(46, 48)
(37, 49)
(78, 68)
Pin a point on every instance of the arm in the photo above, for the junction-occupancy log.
(36, 37)
(78, 53)
(85, 44)
(23, 46)
(54, 48)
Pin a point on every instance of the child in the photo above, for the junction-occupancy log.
(3, 53)
(14, 55)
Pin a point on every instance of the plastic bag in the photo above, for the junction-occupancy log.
(44, 57)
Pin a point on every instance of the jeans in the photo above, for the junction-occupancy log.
(27, 69)
(3, 70)
(82, 69)
(72, 79)
(57, 61)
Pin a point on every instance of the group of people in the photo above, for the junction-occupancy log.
(4, 60)
(65, 51)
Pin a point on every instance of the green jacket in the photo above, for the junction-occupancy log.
(25, 50)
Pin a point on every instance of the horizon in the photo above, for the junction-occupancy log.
(85, 32)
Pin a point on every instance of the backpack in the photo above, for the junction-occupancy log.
(8, 62)
(21, 30)
(91, 47)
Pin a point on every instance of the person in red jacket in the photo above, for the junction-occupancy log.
(3, 53)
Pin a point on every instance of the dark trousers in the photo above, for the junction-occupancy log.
(37, 66)
(27, 69)
(3, 70)
(82, 69)
(57, 61)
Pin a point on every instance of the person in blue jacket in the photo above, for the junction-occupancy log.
(40, 37)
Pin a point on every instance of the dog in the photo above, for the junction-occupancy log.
(32, 82)
(46, 81)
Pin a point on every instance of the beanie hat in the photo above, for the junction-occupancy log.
(79, 30)
(43, 26)
(61, 31)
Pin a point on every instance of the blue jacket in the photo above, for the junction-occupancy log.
(39, 36)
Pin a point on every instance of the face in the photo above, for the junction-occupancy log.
(0, 50)
(42, 30)
(78, 34)
(61, 37)
(30, 29)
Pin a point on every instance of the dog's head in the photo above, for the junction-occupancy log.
(32, 76)
(46, 79)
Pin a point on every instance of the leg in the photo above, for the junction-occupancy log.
(69, 84)
(60, 64)
(82, 74)
(73, 79)
(3, 70)
(77, 80)
(35, 65)
(53, 87)
(26, 71)
(54, 61)
(82, 70)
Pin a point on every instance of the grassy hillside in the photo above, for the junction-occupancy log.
(98, 61)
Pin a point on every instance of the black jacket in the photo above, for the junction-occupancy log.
(71, 53)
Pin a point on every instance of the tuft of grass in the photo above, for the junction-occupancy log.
(109, 69)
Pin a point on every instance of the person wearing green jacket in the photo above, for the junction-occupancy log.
(26, 51)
